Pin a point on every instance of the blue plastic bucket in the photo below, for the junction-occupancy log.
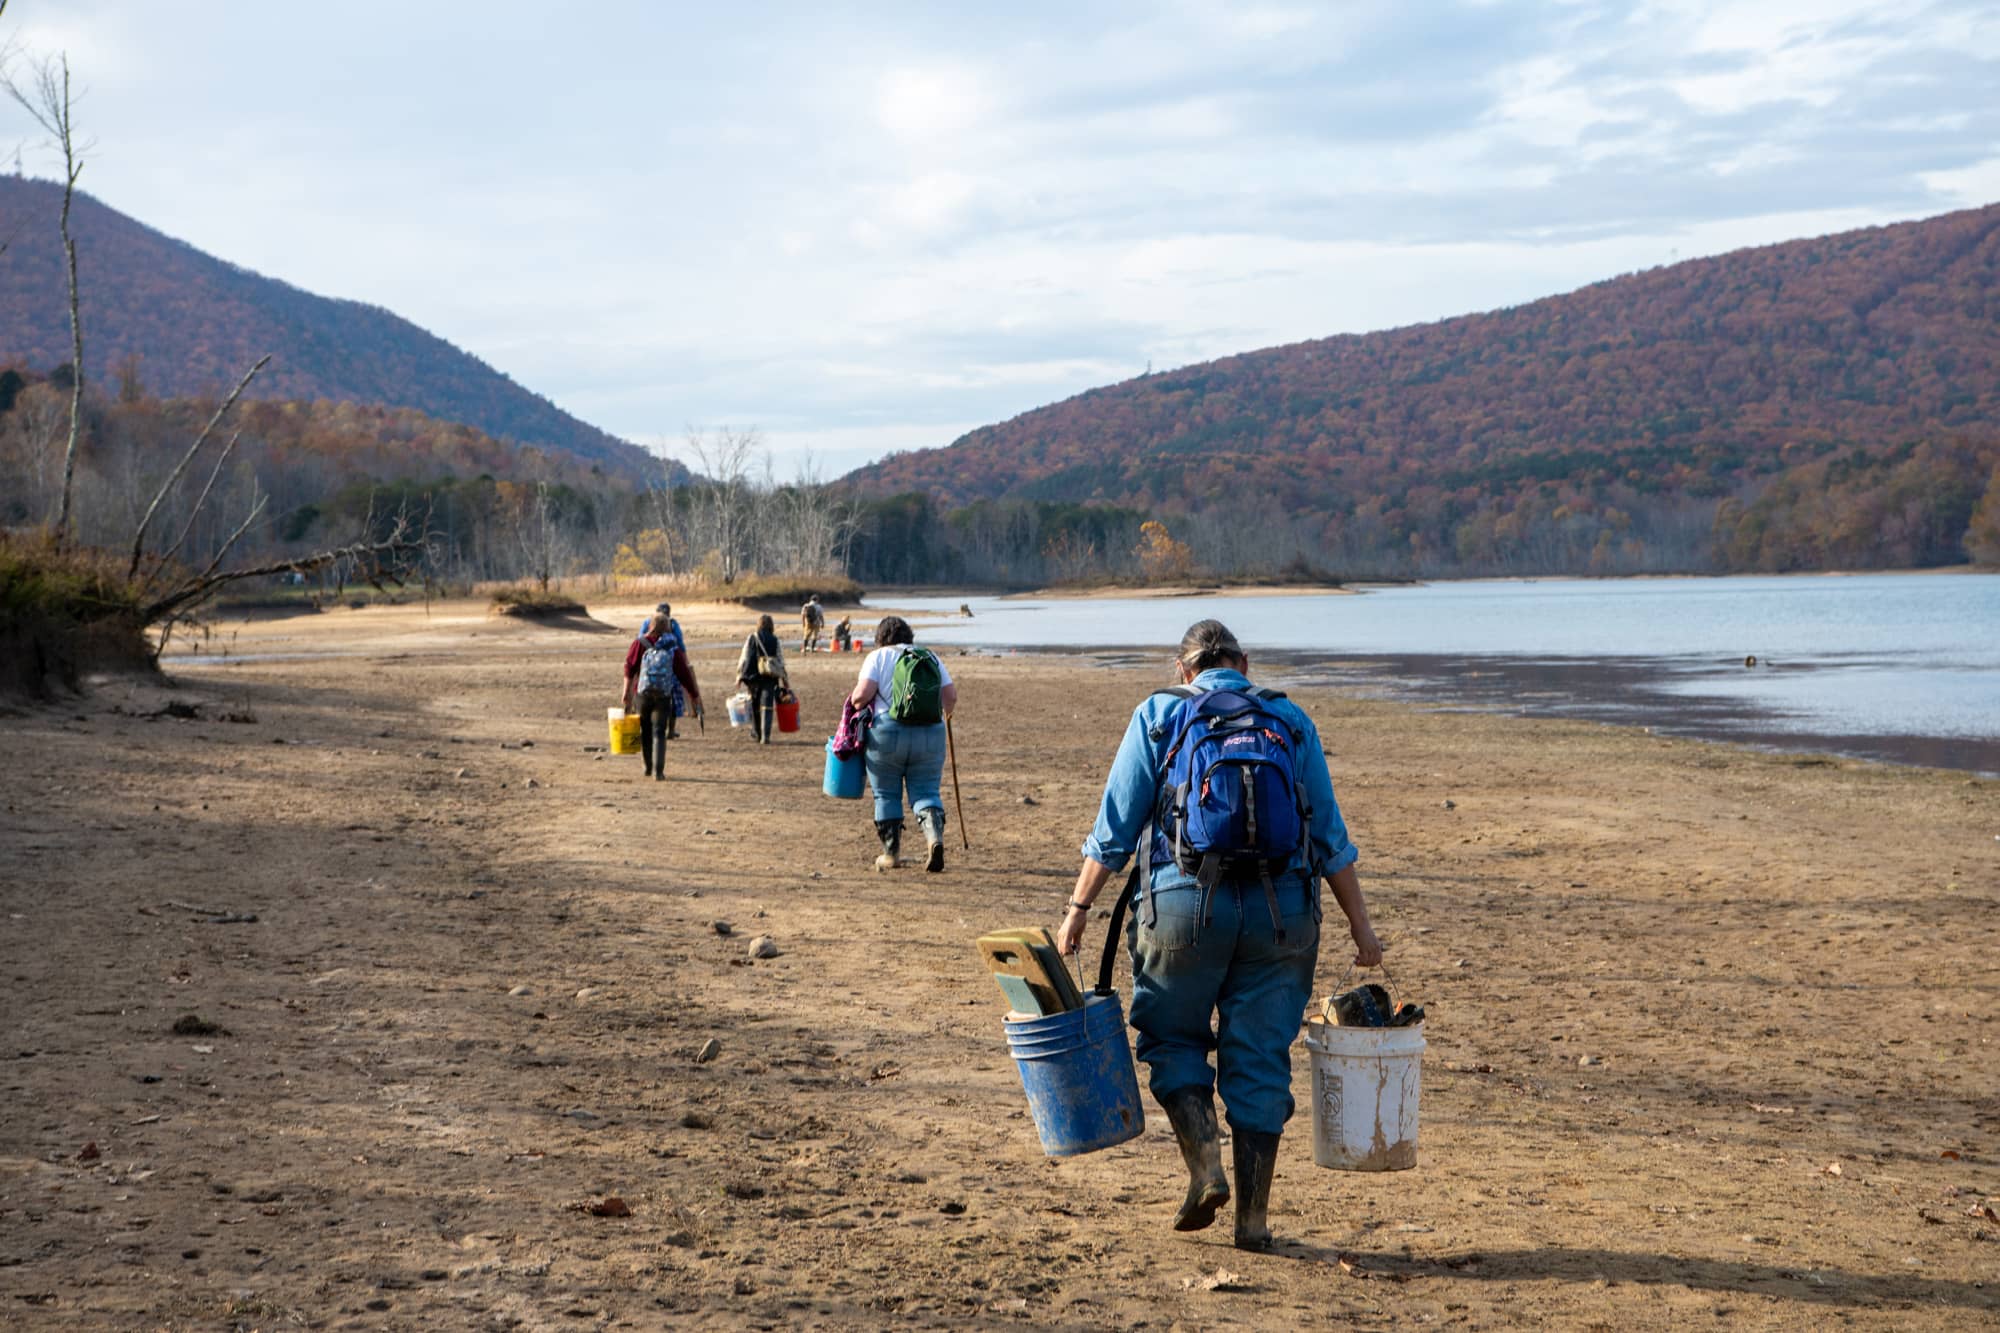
(844, 777)
(1076, 1068)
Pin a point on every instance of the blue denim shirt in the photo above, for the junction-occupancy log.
(1132, 790)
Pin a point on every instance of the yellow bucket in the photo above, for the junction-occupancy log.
(624, 731)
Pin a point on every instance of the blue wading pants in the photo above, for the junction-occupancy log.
(1224, 984)
(897, 756)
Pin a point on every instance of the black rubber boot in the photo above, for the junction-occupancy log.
(1191, 1111)
(770, 723)
(1256, 1159)
(932, 823)
(890, 831)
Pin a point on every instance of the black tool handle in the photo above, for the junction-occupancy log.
(1116, 929)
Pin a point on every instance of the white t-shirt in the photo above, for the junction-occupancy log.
(880, 667)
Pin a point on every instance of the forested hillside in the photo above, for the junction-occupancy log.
(1824, 402)
(162, 318)
(493, 509)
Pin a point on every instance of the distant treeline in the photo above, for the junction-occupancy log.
(1915, 505)
(496, 511)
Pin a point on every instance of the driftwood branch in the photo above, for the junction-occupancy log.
(173, 478)
(377, 560)
(235, 536)
(200, 502)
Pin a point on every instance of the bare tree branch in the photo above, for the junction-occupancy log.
(236, 536)
(200, 502)
(47, 101)
(139, 536)
(375, 560)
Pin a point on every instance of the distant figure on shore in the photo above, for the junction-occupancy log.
(761, 670)
(812, 619)
(843, 634)
(1226, 925)
(965, 609)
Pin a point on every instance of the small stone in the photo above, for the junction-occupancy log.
(1463, 962)
(521, 990)
(708, 833)
(1450, 804)
(1029, 800)
(463, 773)
(709, 1050)
(722, 928)
(1588, 1061)
(763, 947)
(589, 992)
(533, 783)
(582, 1116)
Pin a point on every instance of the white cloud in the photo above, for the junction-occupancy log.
(927, 105)
(874, 232)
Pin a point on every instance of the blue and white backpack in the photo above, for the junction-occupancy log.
(656, 664)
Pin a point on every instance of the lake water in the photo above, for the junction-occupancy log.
(1901, 667)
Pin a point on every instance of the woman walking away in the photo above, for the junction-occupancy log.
(663, 614)
(761, 670)
(657, 671)
(1224, 931)
(912, 695)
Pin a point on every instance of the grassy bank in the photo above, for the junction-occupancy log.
(64, 614)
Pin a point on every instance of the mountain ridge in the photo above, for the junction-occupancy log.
(188, 324)
(1695, 381)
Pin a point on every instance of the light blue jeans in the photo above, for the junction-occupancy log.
(1230, 969)
(898, 756)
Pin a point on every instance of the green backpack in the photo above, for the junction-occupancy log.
(916, 688)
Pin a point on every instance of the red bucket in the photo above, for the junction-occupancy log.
(788, 714)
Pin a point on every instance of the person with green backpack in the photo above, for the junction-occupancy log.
(911, 694)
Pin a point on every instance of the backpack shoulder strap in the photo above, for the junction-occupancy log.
(1159, 729)
(1259, 692)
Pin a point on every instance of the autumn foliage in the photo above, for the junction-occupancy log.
(1834, 400)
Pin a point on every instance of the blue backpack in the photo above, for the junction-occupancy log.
(1229, 791)
(656, 664)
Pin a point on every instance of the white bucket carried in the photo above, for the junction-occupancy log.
(1364, 1095)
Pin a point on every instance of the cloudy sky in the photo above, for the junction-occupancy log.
(871, 227)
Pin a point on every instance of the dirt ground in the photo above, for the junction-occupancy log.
(1712, 1032)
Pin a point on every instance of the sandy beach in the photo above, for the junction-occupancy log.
(1712, 1033)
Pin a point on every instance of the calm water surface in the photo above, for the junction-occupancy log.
(1903, 667)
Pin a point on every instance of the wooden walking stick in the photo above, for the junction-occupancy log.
(951, 750)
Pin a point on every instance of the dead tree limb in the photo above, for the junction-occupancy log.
(200, 503)
(376, 560)
(48, 103)
(173, 478)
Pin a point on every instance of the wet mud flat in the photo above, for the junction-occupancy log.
(1712, 1034)
(1692, 697)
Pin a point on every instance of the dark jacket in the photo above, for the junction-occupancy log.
(759, 643)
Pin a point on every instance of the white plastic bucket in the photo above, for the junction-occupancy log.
(1364, 1096)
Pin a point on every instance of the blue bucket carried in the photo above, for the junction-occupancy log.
(1076, 1068)
(844, 777)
